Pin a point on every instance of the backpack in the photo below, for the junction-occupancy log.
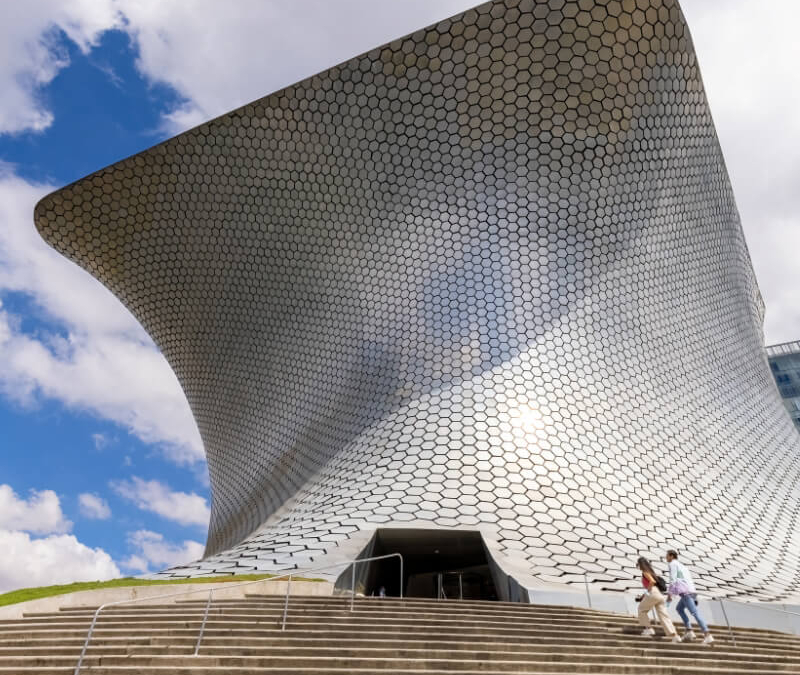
(661, 584)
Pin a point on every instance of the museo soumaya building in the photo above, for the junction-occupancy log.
(480, 295)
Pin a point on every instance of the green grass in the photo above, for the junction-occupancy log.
(25, 594)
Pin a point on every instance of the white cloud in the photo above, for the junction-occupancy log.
(30, 54)
(54, 559)
(57, 559)
(107, 374)
(152, 495)
(93, 506)
(152, 552)
(748, 54)
(216, 56)
(40, 514)
(105, 364)
(221, 56)
(101, 441)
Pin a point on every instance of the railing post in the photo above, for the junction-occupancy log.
(725, 614)
(588, 595)
(402, 578)
(460, 587)
(352, 584)
(286, 602)
(203, 625)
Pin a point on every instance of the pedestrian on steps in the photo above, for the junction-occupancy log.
(682, 585)
(653, 598)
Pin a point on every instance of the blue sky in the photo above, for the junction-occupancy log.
(116, 113)
(102, 470)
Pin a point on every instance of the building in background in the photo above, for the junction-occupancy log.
(784, 360)
(480, 296)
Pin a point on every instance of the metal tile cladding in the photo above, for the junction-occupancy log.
(487, 276)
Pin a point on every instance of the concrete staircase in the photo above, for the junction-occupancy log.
(379, 636)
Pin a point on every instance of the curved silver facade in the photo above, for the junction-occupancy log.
(488, 276)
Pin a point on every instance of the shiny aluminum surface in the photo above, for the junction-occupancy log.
(489, 276)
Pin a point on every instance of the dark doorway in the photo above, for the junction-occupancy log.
(450, 564)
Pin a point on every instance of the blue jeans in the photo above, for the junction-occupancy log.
(687, 602)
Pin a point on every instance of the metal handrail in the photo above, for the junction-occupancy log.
(353, 577)
(228, 586)
(759, 606)
(727, 621)
(709, 598)
(441, 595)
(440, 583)
(588, 594)
(154, 597)
(748, 604)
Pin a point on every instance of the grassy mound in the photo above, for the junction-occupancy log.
(25, 594)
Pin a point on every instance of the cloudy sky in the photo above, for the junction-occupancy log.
(102, 470)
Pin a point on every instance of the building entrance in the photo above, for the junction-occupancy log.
(448, 564)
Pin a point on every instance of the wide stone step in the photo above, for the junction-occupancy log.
(353, 647)
(308, 614)
(345, 630)
(396, 605)
(302, 620)
(556, 653)
(465, 620)
(325, 638)
(364, 610)
(327, 615)
(672, 651)
(370, 608)
(392, 662)
(452, 610)
(402, 633)
(363, 605)
(217, 608)
(429, 668)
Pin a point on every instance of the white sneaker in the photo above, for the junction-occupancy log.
(688, 636)
(675, 639)
(648, 632)
(707, 640)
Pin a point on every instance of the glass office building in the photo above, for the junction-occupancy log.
(784, 360)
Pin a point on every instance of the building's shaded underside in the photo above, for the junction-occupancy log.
(489, 276)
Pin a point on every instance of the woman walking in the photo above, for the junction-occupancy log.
(653, 599)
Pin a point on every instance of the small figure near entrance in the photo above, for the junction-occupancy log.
(653, 598)
(682, 585)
